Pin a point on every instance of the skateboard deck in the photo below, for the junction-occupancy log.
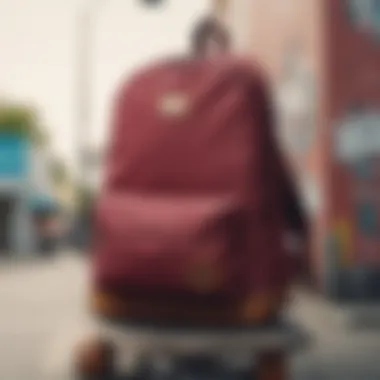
(150, 345)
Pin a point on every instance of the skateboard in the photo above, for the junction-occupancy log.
(133, 353)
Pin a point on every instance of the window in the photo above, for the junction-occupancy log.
(376, 16)
(359, 12)
(364, 15)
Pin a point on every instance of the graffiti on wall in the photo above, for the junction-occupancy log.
(343, 237)
(357, 137)
(357, 148)
(367, 220)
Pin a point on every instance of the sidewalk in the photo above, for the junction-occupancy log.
(338, 351)
(349, 316)
(44, 316)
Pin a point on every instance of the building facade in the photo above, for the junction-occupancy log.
(24, 185)
(323, 59)
(15, 191)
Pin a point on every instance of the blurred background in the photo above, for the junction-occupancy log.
(60, 63)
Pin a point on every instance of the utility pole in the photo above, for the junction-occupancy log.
(83, 67)
(83, 71)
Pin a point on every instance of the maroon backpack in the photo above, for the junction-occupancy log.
(191, 198)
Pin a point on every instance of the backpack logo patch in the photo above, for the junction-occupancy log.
(174, 105)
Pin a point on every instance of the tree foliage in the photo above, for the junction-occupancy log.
(86, 198)
(58, 172)
(22, 120)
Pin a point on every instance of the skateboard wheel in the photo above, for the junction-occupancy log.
(272, 366)
(94, 361)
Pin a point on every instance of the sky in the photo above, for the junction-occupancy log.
(38, 51)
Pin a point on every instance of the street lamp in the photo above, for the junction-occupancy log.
(151, 3)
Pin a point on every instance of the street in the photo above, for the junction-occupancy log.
(43, 316)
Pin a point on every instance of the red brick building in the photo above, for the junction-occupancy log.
(323, 58)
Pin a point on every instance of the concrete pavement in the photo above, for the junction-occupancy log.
(43, 316)
(37, 301)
